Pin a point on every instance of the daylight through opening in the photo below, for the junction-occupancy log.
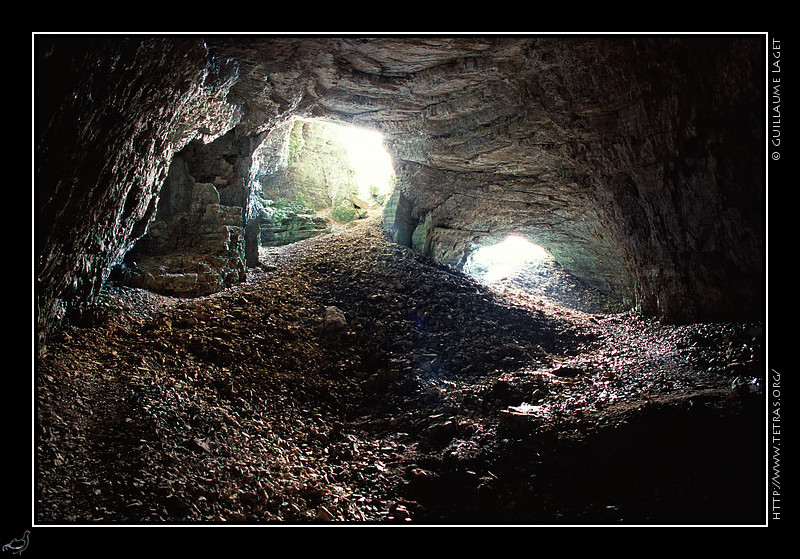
(369, 159)
(521, 266)
(311, 175)
(503, 260)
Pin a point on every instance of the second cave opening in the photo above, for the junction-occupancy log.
(515, 263)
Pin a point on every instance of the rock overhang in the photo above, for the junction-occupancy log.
(616, 153)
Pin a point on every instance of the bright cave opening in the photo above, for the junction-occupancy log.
(497, 262)
(517, 264)
(311, 175)
(368, 157)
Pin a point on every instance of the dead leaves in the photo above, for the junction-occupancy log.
(355, 382)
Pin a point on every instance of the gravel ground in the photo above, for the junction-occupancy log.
(352, 381)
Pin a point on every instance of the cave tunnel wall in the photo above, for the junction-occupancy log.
(636, 161)
(110, 113)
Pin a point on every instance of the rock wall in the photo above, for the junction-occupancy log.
(637, 162)
(282, 222)
(306, 161)
(110, 114)
(314, 170)
(194, 246)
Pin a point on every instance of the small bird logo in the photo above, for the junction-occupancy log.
(18, 545)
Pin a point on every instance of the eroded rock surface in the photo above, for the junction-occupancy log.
(599, 149)
(194, 246)
(111, 113)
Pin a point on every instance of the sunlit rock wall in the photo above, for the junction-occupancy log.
(313, 167)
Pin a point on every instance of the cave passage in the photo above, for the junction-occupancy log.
(293, 339)
(517, 264)
(311, 174)
(493, 263)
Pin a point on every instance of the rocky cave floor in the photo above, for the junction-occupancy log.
(438, 401)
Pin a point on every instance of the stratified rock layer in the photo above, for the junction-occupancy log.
(195, 246)
(637, 162)
(283, 223)
(111, 112)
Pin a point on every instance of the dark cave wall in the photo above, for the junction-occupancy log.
(637, 162)
(692, 154)
(204, 234)
(110, 114)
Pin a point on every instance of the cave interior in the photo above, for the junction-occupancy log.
(211, 174)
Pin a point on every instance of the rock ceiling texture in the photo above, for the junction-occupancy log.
(636, 161)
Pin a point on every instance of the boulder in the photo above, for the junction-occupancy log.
(335, 320)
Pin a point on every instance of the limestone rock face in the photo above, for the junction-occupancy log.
(282, 223)
(195, 246)
(301, 168)
(314, 169)
(637, 162)
(110, 114)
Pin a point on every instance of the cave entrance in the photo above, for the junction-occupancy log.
(311, 175)
(366, 154)
(506, 260)
(517, 264)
